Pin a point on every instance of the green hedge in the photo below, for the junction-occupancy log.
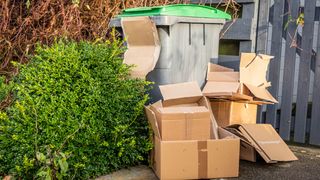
(76, 114)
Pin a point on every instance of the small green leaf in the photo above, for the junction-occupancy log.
(41, 157)
(76, 2)
(300, 19)
(63, 165)
(28, 4)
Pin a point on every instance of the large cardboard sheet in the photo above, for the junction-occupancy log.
(266, 141)
(143, 45)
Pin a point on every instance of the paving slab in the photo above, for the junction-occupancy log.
(307, 167)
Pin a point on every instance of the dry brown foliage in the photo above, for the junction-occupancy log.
(23, 23)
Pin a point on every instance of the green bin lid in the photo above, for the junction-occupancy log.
(183, 10)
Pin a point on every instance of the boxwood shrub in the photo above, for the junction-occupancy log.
(75, 114)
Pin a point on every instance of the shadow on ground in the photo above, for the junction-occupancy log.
(307, 167)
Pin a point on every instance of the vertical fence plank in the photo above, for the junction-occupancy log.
(288, 73)
(262, 37)
(262, 30)
(304, 72)
(274, 68)
(315, 115)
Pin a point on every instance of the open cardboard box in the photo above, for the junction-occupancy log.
(180, 98)
(247, 85)
(183, 123)
(262, 139)
(191, 159)
(233, 112)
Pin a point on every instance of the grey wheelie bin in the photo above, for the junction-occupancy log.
(189, 38)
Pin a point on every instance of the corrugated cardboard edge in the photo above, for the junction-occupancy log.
(233, 97)
(224, 90)
(214, 123)
(153, 121)
(131, 57)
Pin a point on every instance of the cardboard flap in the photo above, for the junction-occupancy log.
(224, 90)
(220, 87)
(247, 150)
(218, 68)
(214, 125)
(188, 92)
(221, 74)
(257, 102)
(268, 84)
(253, 68)
(153, 121)
(234, 129)
(179, 109)
(156, 105)
(267, 142)
(226, 134)
(261, 93)
(143, 45)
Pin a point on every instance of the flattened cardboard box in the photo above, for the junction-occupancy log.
(265, 140)
(250, 82)
(231, 112)
(192, 159)
(143, 45)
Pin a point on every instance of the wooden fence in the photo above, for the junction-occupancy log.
(271, 27)
(295, 70)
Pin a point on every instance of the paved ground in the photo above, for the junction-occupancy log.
(307, 167)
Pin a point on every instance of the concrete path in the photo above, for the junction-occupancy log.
(307, 167)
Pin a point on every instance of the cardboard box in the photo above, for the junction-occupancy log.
(185, 97)
(265, 140)
(193, 159)
(184, 123)
(249, 84)
(231, 112)
(143, 48)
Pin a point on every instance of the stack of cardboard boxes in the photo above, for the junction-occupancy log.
(203, 134)
(200, 135)
(187, 142)
(234, 97)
